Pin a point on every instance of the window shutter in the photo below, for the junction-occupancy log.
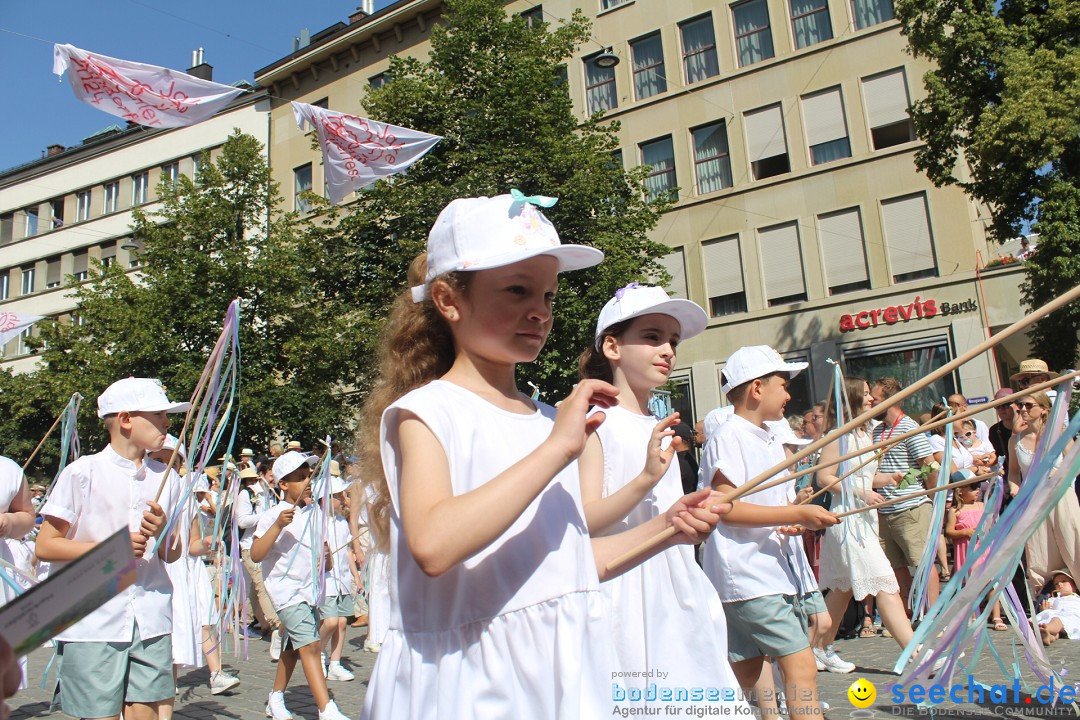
(781, 260)
(723, 267)
(886, 98)
(824, 117)
(841, 236)
(907, 234)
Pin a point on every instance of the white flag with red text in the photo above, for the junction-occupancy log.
(11, 324)
(144, 94)
(357, 151)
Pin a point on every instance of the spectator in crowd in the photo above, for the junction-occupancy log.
(812, 422)
(684, 451)
(1026, 249)
(1002, 430)
(958, 404)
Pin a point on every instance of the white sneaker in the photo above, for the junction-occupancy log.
(331, 712)
(275, 707)
(833, 662)
(322, 663)
(275, 645)
(818, 654)
(337, 671)
(222, 681)
(372, 647)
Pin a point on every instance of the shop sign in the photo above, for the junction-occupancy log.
(917, 309)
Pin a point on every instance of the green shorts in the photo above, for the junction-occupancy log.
(813, 603)
(299, 626)
(769, 625)
(97, 678)
(338, 606)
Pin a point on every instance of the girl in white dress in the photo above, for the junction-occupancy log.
(495, 606)
(629, 476)
(852, 561)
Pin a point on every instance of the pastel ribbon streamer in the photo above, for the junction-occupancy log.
(542, 200)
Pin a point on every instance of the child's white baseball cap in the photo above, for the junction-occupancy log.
(289, 461)
(173, 443)
(489, 232)
(636, 300)
(134, 394)
(754, 361)
(338, 484)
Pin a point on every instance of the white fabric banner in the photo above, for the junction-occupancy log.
(357, 151)
(11, 324)
(144, 94)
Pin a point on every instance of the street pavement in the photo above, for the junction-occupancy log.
(874, 658)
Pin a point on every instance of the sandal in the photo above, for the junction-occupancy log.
(867, 630)
(999, 624)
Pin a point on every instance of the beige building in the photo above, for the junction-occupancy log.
(74, 205)
(781, 127)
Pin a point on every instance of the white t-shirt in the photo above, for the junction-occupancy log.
(247, 516)
(11, 480)
(748, 562)
(90, 495)
(339, 579)
(289, 568)
(961, 456)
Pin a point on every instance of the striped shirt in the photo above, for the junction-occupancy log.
(901, 457)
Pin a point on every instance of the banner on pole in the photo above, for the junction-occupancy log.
(11, 324)
(357, 151)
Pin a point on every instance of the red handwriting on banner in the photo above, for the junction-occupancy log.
(8, 321)
(360, 142)
(135, 100)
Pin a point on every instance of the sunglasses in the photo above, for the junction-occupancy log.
(969, 433)
(1025, 407)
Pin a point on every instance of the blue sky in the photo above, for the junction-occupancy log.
(237, 36)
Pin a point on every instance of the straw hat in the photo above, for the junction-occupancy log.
(293, 445)
(1033, 366)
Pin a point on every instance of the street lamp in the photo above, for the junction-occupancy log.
(606, 59)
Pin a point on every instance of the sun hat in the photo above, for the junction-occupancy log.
(636, 300)
(783, 432)
(335, 468)
(289, 461)
(488, 232)
(293, 445)
(338, 484)
(754, 361)
(134, 394)
(247, 452)
(1033, 366)
(173, 443)
(248, 473)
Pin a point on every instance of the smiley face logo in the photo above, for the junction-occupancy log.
(862, 693)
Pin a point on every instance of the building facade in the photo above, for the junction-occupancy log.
(781, 129)
(74, 205)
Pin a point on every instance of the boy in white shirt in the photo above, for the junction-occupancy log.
(283, 539)
(342, 578)
(118, 658)
(749, 560)
(250, 503)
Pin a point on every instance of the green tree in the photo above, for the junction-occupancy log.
(216, 237)
(1005, 99)
(494, 88)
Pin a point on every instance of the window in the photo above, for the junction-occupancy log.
(196, 163)
(766, 141)
(7, 227)
(675, 264)
(323, 103)
(871, 12)
(83, 211)
(57, 208)
(139, 184)
(24, 345)
(377, 81)
(31, 222)
(5, 284)
(112, 195)
(810, 22)
(617, 159)
(699, 49)
(170, 172)
(81, 266)
(908, 362)
(908, 238)
(605, 4)
(826, 131)
(28, 280)
(599, 87)
(752, 36)
(533, 16)
(712, 165)
(78, 320)
(301, 183)
(649, 76)
(52, 273)
(108, 255)
(887, 109)
(841, 237)
(660, 154)
(722, 263)
(781, 262)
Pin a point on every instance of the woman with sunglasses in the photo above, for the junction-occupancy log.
(1055, 543)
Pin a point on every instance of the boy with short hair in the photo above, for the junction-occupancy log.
(342, 578)
(118, 658)
(750, 561)
(283, 545)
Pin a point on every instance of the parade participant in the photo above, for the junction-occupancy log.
(1059, 616)
(750, 563)
(251, 502)
(496, 606)
(283, 545)
(342, 579)
(119, 657)
(628, 477)
(960, 525)
(905, 527)
(18, 511)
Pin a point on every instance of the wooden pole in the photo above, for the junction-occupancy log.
(850, 425)
(47, 434)
(931, 491)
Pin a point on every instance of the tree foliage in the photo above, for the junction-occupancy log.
(1005, 99)
(494, 88)
(214, 238)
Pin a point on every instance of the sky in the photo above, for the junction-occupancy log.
(238, 37)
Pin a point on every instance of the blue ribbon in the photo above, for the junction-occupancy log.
(623, 290)
(541, 200)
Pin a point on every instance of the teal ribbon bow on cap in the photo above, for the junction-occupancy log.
(541, 200)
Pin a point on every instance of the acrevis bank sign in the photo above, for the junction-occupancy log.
(917, 309)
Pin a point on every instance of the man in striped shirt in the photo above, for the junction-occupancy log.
(905, 527)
